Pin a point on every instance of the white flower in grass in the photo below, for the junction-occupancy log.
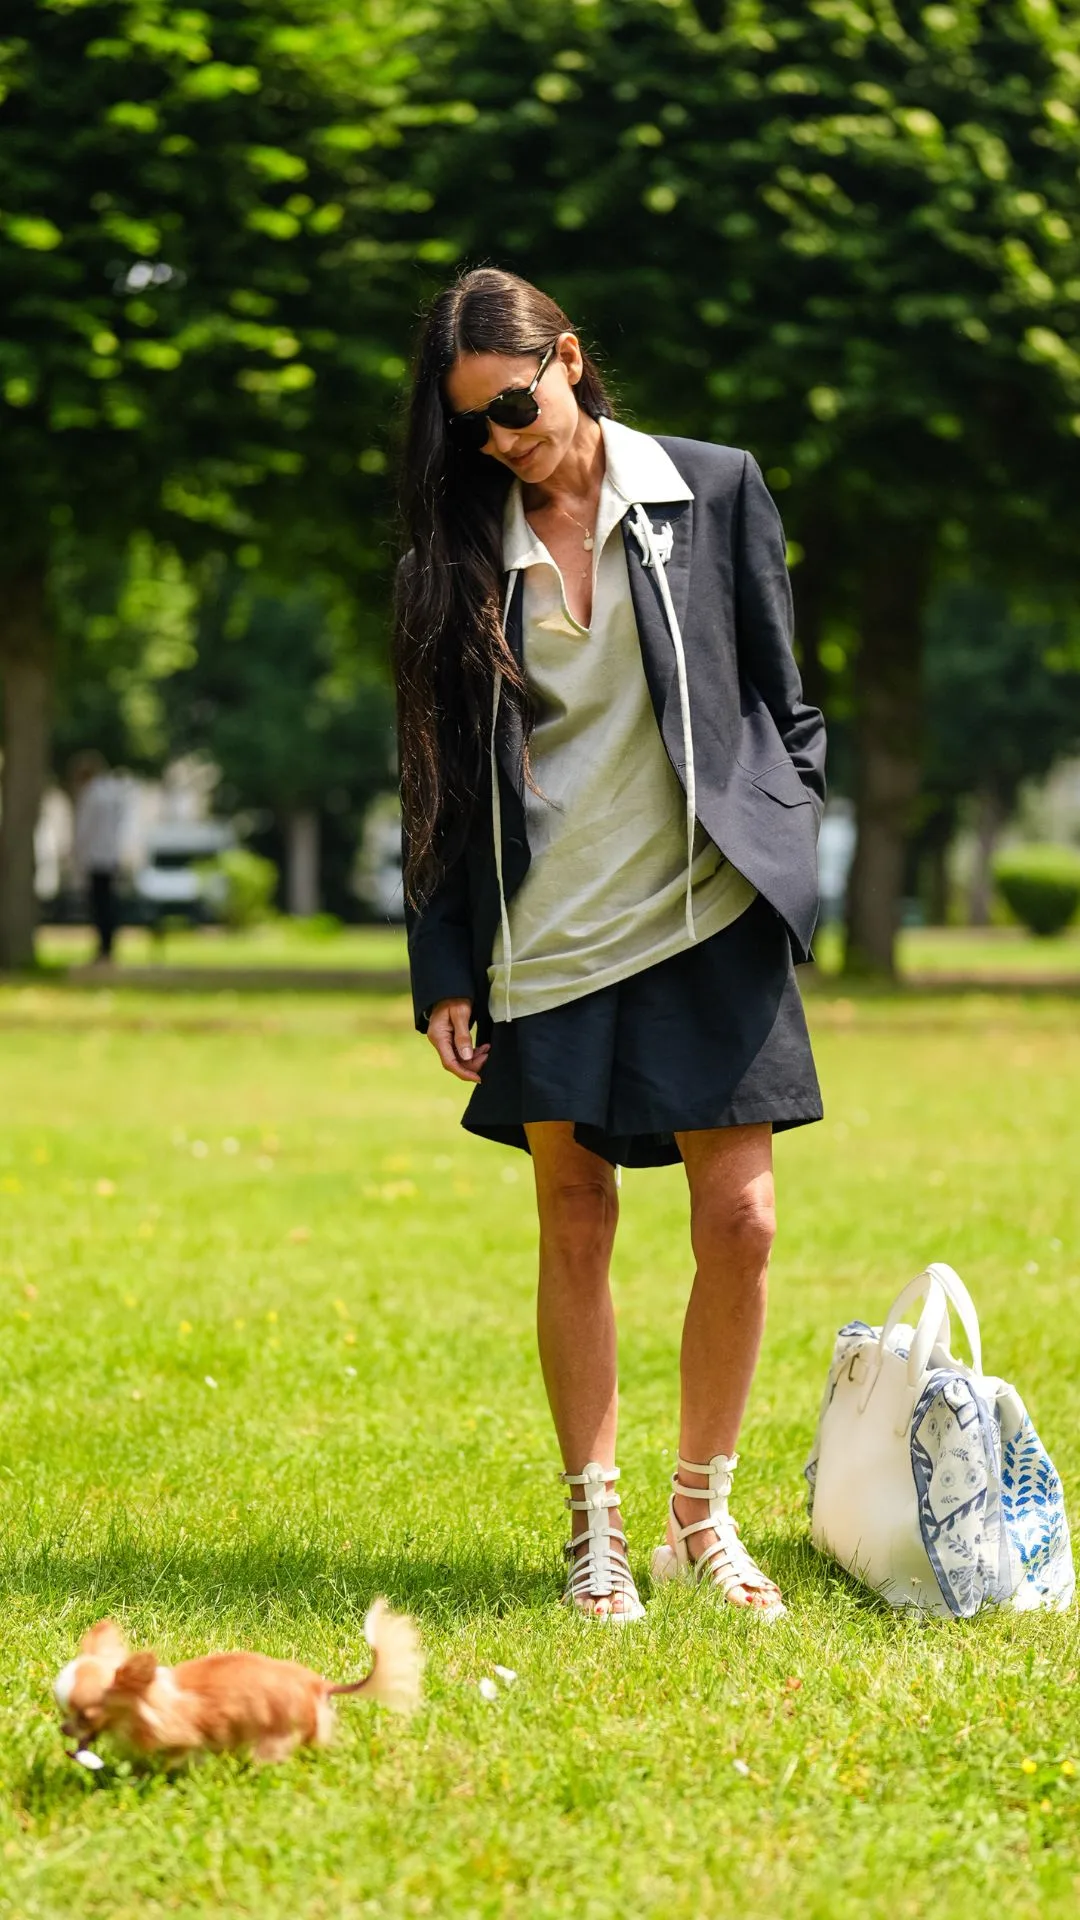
(488, 1690)
(506, 1675)
(209, 1381)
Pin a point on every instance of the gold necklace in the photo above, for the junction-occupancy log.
(588, 532)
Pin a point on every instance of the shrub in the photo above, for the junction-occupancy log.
(318, 926)
(1041, 885)
(244, 883)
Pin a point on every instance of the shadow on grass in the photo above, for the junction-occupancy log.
(132, 1569)
(447, 1582)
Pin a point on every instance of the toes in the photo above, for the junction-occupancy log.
(759, 1598)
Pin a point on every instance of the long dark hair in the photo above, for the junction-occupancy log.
(448, 629)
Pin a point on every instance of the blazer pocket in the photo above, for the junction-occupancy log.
(782, 783)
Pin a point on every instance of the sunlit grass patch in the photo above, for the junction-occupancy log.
(266, 1349)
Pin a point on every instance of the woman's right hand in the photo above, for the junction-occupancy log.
(448, 1031)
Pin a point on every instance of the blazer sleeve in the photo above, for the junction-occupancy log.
(440, 945)
(765, 623)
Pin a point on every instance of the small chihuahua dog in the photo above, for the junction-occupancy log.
(226, 1702)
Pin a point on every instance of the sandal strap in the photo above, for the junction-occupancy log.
(728, 1565)
(580, 1577)
(579, 1539)
(709, 1525)
(725, 1563)
(594, 1483)
(719, 1471)
(588, 1477)
(603, 1569)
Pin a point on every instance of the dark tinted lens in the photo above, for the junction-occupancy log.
(469, 431)
(515, 409)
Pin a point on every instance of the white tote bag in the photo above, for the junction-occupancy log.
(927, 1480)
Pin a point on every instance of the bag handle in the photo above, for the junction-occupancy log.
(954, 1289)
(939, 1284)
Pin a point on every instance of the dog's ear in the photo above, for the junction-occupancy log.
(136, 1674)
(105, 1642)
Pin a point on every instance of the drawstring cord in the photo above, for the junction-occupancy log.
(642, 529)
(496, 812)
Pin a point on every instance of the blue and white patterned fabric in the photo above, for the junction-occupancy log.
(982, 1522)
(991, 1507)
(1033, 1513)
(954, 1461)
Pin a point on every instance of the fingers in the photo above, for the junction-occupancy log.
(460, 1017)
(448, 1031)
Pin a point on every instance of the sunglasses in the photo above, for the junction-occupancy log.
(515, 407)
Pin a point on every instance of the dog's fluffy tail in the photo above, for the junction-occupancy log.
(398, 1664)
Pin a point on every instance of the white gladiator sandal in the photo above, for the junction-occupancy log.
(726, 1564)
(604, 1570)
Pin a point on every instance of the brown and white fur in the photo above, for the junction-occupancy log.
(225, 1702)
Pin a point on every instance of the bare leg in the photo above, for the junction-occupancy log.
(578, 1208)
(732, 1225)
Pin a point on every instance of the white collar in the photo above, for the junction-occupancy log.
(637, 470)
(638, 467)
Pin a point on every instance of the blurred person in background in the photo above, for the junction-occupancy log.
(611, 790)
(101, 803)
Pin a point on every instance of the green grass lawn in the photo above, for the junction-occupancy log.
(266, 1350)
(924, 953)
(278, 943)
(927, 953)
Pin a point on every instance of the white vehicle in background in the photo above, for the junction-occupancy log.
(169, 880)
(377, 873)
(836, 850)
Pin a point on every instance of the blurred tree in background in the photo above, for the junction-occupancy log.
(1003, 706)
(282, 700)
(199, 332)
(842, 234)
(122, 625)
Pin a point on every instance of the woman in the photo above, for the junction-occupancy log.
(611, 790)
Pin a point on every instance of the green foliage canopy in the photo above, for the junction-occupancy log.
(1002, 694)
(278, 695)
(199, 330)
(844, 233)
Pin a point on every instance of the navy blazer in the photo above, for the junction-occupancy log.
(759, 750)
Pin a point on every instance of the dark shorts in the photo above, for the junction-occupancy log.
(714, 1037)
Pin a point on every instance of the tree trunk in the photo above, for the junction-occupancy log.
(302, 862)
(888, 713)
(989, 820)
(26, 673)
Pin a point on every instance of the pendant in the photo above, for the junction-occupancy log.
(587, 543)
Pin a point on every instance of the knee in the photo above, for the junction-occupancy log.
(578, 1219)
(735, 1232)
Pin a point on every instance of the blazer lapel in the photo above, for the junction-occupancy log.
(508, 735)
(657, 648)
